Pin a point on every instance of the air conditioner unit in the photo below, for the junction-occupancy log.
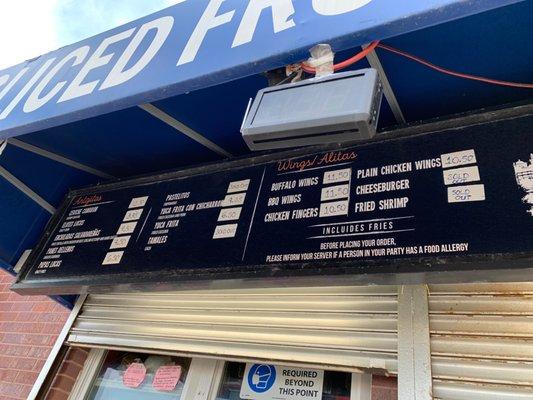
(335, 108)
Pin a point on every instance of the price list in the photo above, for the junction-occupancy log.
(452, 195)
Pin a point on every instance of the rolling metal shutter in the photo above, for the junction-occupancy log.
(481, 334)
(482, 341)
(345, 327)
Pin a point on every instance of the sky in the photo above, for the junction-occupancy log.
(29, 28)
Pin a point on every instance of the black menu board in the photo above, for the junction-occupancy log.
(408, 204)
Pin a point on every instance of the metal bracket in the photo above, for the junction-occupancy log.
(26, 190)
(375, 63)
(184, 129)
(22, 260)
(57, 158)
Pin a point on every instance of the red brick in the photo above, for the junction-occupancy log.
(5, 325)
(51, 317)
(28, 327)
(70, 368)
(26, 377)
(29, 339)
(55, 394)
(43, 307)
(16, 297)
(5, 362)
(39, 352)
(8, 316)
(14, 350)
(60, 308)
(27, 316)
(8, 375)
(42, 299)
(67, 374)
(12, 389)
(63, 383)
(384, 387)
(52, 328)
(384, 381)
(78, 355)
(27, 390)
(38, 364)
(19, 363)
(379, 393)
(26, 306)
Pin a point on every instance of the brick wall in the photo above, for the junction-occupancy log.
(67, 374)
(384, 388)
(29, 326)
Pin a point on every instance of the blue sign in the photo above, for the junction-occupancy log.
(261, 377)
(196, 44)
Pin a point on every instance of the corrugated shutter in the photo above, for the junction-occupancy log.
(481, 334)
(482, 341)
(345, 327)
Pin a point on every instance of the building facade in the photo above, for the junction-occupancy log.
(394, 260)
(29, 327)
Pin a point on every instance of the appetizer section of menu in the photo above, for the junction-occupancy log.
(190, 221)
(437, 195)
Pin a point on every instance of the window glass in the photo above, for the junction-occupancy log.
(137, 376)
(337, 385)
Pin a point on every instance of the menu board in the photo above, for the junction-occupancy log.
(454, 193)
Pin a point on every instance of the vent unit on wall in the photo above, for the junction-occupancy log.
(335, 108)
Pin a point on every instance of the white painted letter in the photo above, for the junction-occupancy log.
(209, 20)
(76, 87)
(26, 88)
(118, 74)
(34, 100)
(281, 14)
(336, 7)
(4, 79)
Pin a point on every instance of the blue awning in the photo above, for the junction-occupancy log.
(170, 89)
